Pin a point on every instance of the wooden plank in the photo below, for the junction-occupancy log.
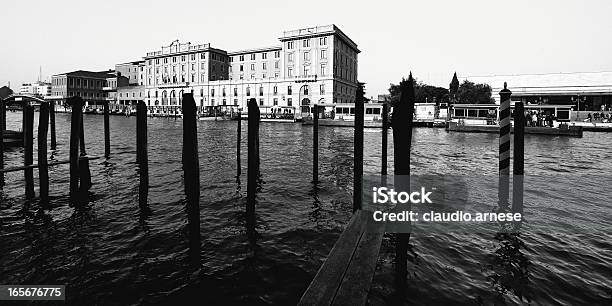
(358, 278)
(32, 166)
(323, 287)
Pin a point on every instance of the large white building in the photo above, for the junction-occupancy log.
(311, 65)
(41, 89)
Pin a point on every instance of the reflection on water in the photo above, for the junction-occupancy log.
(130, 245)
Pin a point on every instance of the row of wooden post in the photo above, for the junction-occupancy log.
(80, 175)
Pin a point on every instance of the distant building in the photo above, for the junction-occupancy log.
(41, 89)
(132, 71)
(588, 91)
(93, 87)
(312, 65)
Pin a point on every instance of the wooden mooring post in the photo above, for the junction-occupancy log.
(385, 136)
(253, 161)
(191, 169)
(238, 142)
(504, 147)
(142, 143)
(52, 122)
(2, 119)
(519, 158)
(28, 148)
(315, 143)
(107, 131)
(358, 150)
(76, 104)
(84, 171)
(43, 168)
(403, 114)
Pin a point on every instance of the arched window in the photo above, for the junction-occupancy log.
(164, 94)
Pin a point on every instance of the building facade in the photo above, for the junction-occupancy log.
(41, 89)
(132, 71)
(586, 91)
(94, 87)
(312, 65)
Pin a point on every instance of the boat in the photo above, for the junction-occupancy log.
(343, 115)
(484, 118)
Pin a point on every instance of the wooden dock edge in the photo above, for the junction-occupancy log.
(346, 275)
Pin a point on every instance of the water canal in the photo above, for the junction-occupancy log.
(115, 251)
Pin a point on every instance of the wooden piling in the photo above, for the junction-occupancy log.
(52, 121)
(315, 143)
(385, 136)
(76, 104)
(84, 171)
(238, 141)
(2, 119)
(191, 168)
(43, 169)
(358, 150)
(28, 148)
(107, 131)
(504, 147)
(519, 158)
(253, 160)
(142, 142)
(403, 115)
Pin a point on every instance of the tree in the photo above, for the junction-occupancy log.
(471, 93)
(454, 87)
(422, 93)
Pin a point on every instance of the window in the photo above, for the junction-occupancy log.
(241, 67)
(290, 45)
(289, 91)
(192, 66)
(264, 55)
(275, 89)
(212, 92)
(289, 72)
(306, 90)
(277, 54)
(235, 91)
(276, 64)
(235, 101)
(252, 76)
(182, 58)
(203, 79)
(275, 101)
(306, 70)
(261, 102)
(224, 102)
(323, 69)
(323, 54)
(242, 58)
(263, 76)
(323, 41)
(253, 56)
(276, 75)
(261, 91)
(174, 59)
(193, 57)
(193, 78)
(202, 55)
(306, 56)
(322, 89)
(252, 66)
(290, 57)
(306, 43)
(165, 60)
(242, 76)
(248, 91)
(264, 66)
(289, 102)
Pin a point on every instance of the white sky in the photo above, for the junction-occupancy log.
(433, 38)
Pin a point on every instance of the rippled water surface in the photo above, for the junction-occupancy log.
(119, 252)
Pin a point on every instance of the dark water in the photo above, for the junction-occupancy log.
(116, 252)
